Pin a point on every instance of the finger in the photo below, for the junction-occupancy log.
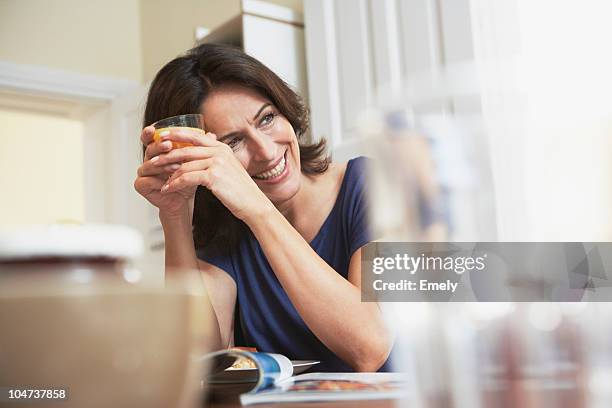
(196, 165)
(154, 149)
(146, 185)
(148, 169)
(185, 154)
(189, 136)
(146, 136)
(191, 179)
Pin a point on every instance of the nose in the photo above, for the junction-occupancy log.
(262, 147)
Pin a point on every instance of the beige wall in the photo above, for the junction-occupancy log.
(46, 184)
(100, 37)
(168, 27)
(129, 39)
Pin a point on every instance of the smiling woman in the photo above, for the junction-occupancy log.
(275, 227)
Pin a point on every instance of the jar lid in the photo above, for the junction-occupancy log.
(70, 241)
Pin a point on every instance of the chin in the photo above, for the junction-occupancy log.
(286, 185)
(285, 192)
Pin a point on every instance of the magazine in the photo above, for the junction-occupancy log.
(255, 370)
(332, 387)
(265, 377)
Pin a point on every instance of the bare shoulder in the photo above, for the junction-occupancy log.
(211, 272)
(333, 176)
(336, 171)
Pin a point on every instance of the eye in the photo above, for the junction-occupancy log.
(267, 119)
(234, 143)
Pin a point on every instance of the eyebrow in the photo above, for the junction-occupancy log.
(232, 134)
(264, 106)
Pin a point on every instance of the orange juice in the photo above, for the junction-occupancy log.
(175, 145)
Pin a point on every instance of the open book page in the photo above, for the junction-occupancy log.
(332, 387)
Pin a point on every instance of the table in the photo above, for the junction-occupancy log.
(527, 394)
(339, 404)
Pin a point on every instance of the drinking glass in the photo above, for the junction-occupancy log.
(191, 120)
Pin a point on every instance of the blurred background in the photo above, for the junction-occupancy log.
(513, 97)
(491, 121)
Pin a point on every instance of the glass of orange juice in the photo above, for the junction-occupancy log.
(191, 120)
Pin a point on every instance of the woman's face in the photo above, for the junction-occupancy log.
(262, 139)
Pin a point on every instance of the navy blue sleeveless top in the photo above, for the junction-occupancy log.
(265, 318)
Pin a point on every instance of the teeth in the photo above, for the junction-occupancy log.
(280, 167)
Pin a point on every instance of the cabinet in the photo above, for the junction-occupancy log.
(273, 34)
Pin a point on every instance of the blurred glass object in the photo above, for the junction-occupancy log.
(505, 354)
(405, 196)
(76, 315)
(430, 179)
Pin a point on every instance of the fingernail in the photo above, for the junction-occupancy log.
(155, 159)
(174, 166)
(164, 133)
(164, 188)
(167, 145)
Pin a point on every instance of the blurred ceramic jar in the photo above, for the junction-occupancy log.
(75, 315)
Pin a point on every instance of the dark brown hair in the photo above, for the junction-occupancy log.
(181, 87)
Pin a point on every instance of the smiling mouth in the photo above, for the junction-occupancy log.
(273, 172)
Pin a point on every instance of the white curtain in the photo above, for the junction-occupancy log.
(545, 72)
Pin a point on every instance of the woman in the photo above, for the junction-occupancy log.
(273, 225)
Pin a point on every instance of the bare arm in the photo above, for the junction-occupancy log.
(175, 214)
(221, 288)
(329, 304)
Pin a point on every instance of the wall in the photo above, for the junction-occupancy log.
(46, 184)
(169, 27)
(129, 39)
(94, 37)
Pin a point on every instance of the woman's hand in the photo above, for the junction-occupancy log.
(211, 164)
(152, 177)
